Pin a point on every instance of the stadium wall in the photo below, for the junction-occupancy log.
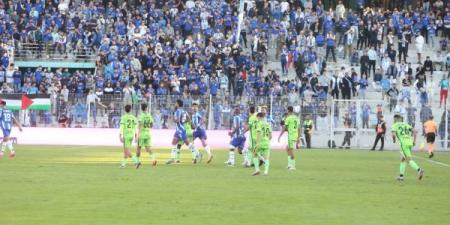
(161, 138)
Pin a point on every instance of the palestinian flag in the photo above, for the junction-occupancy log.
(33, 102)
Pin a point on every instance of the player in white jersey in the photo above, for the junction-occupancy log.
(199, 130)
(7, 120)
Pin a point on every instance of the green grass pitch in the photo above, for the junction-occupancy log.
(83, 185)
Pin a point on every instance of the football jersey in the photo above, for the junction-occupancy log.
(6, 119)
(128, 124)
(238, 126)
(197, 120)
(265, 131)
(291, 123)
(146, 120)
(181, 116)
(403, 132)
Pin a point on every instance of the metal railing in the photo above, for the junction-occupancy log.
(328, 115)
(53, 51)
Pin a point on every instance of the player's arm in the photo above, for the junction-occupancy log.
(16, 122)
(414, 133)
(122, 125)
(283, 129)
(258, 139)
(235, 127)
(393, 136)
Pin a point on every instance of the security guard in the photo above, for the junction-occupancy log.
(307, 130)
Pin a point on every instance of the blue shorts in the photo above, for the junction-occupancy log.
(238, 142)
(6, 133)
(180, 135)
(200, 133)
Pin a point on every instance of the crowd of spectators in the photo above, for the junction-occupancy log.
(191, 48)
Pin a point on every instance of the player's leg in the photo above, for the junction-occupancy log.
(290, 152)
(231, 156)
(430, 144)
(407, 153)
(401, 176)
(173, 152)
(256, 163)
(127, 141)
(266, 157)
(7, 144)
(151, 154)
(196, 156)
(207, 149)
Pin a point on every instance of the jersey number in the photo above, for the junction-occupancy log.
(130, 124)
(405, 131)
(147, 124)
(266, 132)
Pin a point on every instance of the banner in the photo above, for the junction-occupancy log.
(32, 102)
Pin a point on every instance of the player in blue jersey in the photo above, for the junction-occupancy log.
(237, 137)
(199, 129)
(180, 118)
(7, 120)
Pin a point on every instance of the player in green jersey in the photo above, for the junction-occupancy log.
(251, 126)
(262, 144)
(128, 125)
(144, 135)
(291, 124)
(406, 136)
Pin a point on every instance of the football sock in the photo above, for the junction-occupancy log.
(266, 166)
(402, 168)
(292, 161)
(208, 150)
(256, 162)
(231, 156)
(10, 146)
(135, 159)
(124, 162)
(193, 151)
(414, 165)
(152, 156)
(289, 161)
(3, 146)
(249, 157)
(173, 153)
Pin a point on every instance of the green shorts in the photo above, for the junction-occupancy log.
(127, 141)
(144, 141)
(406, 149)
(292, 143)
(263, 151)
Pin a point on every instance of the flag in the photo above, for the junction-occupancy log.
(26, 102)
(32, 102)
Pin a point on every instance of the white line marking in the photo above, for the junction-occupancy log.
(432, 161)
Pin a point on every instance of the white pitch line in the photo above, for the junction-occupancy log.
(435, 162)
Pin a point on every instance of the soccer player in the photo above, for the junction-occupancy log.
(406, 135)
(251, 126)
(180, 119)
(291, 125)
(262, 144)
(128, 124)
(144, 135)
(237, 137)
(7, 120)
(199, 130)
(430, 128)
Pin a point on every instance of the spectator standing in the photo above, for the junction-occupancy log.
(419, 42)
(443, 95)
(307, 130)
(380, 130)
(331, 46)
(335, 85)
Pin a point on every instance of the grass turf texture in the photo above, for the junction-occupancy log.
(84, 185)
